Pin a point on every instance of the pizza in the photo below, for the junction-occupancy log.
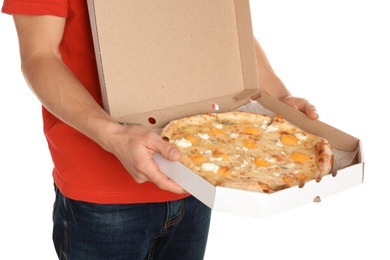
(249, 151)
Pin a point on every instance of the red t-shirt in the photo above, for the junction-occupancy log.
(82, 169)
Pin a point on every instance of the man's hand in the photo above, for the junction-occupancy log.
(271, 85)
(134, 146)
(301, 104)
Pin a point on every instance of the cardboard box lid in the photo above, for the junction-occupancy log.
(161, 60)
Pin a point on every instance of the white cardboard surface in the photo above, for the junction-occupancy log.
(257, 204)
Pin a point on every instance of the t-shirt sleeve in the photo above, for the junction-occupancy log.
(36, 7)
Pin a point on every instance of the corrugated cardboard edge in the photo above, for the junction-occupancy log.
(263, 205)
(164, 116)
(92, 18)
(247, 48)
(191, 182)
(256, 204)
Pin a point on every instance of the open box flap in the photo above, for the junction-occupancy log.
(337, 138)
(161, 58)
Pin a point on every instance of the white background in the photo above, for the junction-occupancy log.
(335, 53)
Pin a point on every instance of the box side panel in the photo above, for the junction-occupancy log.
(245, 203)
(95, 35)
(241, 203)
(337, 138)
(360, 155)
(246, 42)
(162, 117)
(188, 180)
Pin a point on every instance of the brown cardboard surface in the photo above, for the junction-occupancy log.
(172, 58)
(336, 137)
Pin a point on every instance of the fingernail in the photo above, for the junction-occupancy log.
(175, 154)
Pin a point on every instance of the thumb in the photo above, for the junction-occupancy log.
(310, 111)
(168, 151)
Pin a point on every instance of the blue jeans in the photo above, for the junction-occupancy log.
(169, 230)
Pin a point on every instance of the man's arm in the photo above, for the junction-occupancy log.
(50, 79)
(271, 85)
(65, 97)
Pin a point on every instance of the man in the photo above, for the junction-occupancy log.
(112, 201)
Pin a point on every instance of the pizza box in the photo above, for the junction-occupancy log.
(347, 171)
(163, 60)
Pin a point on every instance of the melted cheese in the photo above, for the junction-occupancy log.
(183, 143)
(217, 131)
(288, 139)
(190, 138)
(248, 143)
(203, 136)
(197, 158)
(260, 161)
(211, 167)
(251, 131)
(299, 157)
(271, 128)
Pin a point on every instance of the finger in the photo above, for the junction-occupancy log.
(302, 105)
(256, 95)
(311, 111)
(150, 172)
(167, 150)
(138, 180)
(164, 183)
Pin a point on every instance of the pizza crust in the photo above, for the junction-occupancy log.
(325, 159)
